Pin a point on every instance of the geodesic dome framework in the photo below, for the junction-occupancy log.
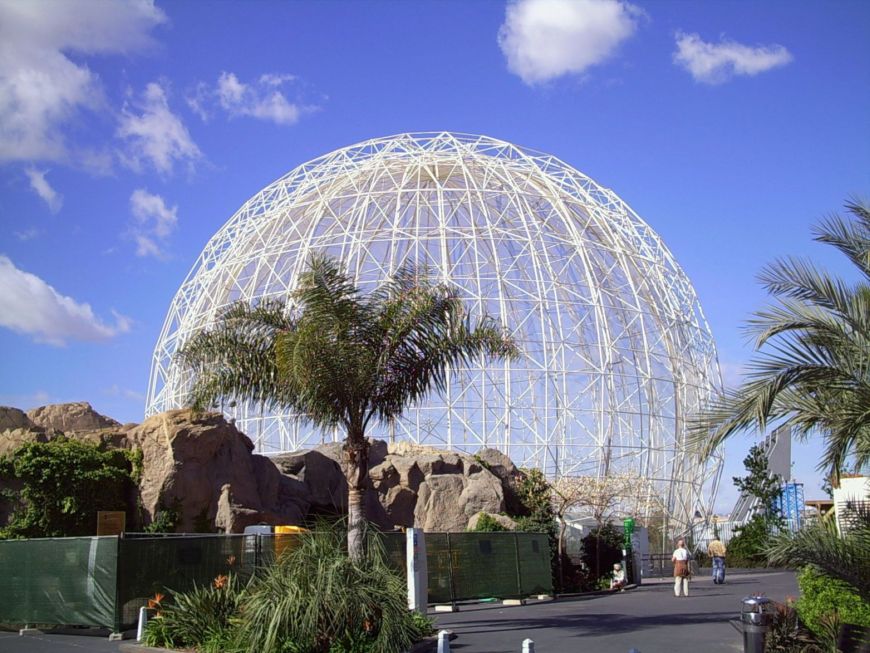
(616, 352)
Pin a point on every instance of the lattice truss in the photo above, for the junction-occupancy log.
(616, 352)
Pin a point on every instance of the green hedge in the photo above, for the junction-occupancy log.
(821, 596)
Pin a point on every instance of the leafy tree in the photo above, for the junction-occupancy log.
(762, 485)
(747, 547)
(340, 358)
(812, 367)
(61, 484)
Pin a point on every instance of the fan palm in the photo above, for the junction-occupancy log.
(341, 358)
(812, 368)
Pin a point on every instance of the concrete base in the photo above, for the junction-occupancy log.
(514, 602)
(30, 631)
(116, 637)
(446, 608)
(545, 597)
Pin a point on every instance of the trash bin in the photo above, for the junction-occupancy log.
(756, 617)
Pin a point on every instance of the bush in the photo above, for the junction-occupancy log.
(787, 634)
(62, 484)
(824, 599)
(488, 524)
(199, 618)
(316, 599)
(748, 547)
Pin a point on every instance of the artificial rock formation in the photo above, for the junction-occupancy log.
(202, 468)
(78, 416)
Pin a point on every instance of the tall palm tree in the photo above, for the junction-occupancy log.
(341, 358)
(812, 363)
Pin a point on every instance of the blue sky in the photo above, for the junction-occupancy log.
(130, 132)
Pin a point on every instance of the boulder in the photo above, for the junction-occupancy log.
(12, 439)
(510, 476)
(321, 476)
(78, 416)
(201, 466)
(409, 485)
(13, 418)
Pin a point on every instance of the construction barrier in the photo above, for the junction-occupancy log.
(103, 581)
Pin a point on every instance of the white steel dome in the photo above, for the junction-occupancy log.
(616, 352)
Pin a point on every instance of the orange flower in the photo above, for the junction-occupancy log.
(155, 602)
(231, 560)
(220, 582)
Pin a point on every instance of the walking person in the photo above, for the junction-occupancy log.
(680, 558)
(716, 551)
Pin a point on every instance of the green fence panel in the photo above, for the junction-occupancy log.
(148, 566)
(439, 568)
(67, 581)
(534, 558)
(484, 565)
(395, 548)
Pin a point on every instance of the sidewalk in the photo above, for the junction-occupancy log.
(649, 618)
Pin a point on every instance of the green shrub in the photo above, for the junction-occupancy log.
(823, 598)
(425, 625)
(487, 524)
(62, 484)
(748, 547)
(199, 618)
(316, 599)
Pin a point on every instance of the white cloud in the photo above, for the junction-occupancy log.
(263, 99)
(27, 234)
(545, 39)
(714, 63)
(42, 90)
(154, 222)
(116, 391)
(29, 305)
(154, 134)
(39, 184)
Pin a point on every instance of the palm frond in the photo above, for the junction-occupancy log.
(812, 364)
(234, 359)
(842, 557)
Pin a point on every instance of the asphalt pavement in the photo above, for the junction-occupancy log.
(650, 619)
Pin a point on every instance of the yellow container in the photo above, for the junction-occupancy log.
(286, 538)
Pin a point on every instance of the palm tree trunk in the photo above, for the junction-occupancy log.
(356, 452)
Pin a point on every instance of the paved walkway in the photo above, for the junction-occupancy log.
(648, 618)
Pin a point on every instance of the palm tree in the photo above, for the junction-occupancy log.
(812, 366)
(340, 358)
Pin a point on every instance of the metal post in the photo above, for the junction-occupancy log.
(143, 621)
(417, 569)
(528, 646)
(444, 641)
(519, 573)
(450, 574)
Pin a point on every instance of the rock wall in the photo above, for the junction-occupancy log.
(200, 466)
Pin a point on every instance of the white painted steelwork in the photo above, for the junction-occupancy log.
(615, 348)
